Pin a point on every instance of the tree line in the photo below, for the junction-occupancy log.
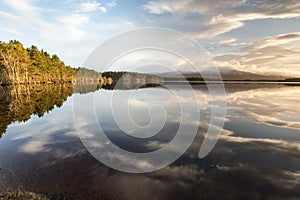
(20, 65)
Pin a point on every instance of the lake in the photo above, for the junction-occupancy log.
(256, 156)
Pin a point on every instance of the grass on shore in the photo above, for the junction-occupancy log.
(21, 195)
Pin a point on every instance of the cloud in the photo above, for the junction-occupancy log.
(228, 41)
(193, 6)
(73, 24)
(91, 6)
(69, 29)
(216, 27)
(22, 6)
(270, 55)
(111, 4)
(275, 40)
(216, 17)
(224, 9)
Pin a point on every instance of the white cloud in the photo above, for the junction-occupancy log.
(161, 7)
(188, 6)
(111, 4)
(91, 6)
(228, 41)
(275, 40)
(219, 17)
(22, 6)
(71, 30)
(73, 24)
(216, 27)
(271, 55)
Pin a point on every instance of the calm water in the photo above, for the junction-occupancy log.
(256, 157)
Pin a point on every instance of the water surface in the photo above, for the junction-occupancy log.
(256, 157)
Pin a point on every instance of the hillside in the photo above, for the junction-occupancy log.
(226, 74)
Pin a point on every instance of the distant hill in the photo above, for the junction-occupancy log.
(227, 75)
(231, 74)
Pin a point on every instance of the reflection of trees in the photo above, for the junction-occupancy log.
(87, 80)
(90, 80)
(20, 102)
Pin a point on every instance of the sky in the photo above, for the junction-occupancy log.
(261, 36)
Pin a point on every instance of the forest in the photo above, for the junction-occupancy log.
(20, 65)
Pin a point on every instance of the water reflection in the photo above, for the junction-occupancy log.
(274, 106)
(257, 156)
(19, 103)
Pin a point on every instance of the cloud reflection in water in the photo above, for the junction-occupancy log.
(241, 166)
